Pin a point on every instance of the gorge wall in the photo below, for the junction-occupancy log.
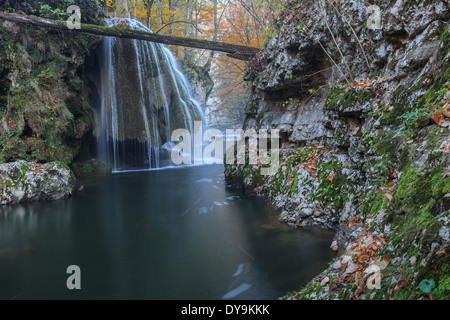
(50, 100)
(363, 116)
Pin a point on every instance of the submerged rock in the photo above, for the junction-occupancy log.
(353, 157)
(91, 168)
(23, 181)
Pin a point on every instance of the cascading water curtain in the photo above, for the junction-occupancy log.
(144, 96)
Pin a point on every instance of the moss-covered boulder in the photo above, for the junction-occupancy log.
(23, 181)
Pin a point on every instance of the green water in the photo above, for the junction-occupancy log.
(175, 234)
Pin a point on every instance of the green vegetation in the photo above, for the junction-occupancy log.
(44, 125)
(341, 99)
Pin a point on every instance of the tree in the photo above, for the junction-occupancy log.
(238, 22)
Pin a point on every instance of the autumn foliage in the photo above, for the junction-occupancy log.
(232, 21)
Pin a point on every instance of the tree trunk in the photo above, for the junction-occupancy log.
(232, 50)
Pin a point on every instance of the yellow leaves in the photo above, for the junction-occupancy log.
(390, 186)
(393, 178)
(332, 176)
(389, 189)
(109, 3)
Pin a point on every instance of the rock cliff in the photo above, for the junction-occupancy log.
(363, 114)
(23, 181)
(45, 112)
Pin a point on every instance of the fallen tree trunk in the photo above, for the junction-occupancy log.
(232, 50)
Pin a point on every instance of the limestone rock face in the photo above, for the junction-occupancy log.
(364, 144)
(317, 104)
(23, 181)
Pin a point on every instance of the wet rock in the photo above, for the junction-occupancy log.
(392, 22)
(309, 124)
(306, 212)
(444, 233)
(423, 47)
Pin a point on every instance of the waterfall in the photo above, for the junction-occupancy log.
(144, 96)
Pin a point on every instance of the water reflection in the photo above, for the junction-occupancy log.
(172, 234)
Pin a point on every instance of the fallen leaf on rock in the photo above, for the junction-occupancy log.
(336, 283)
(441, 253)
(360, 290)
(363, 258)
(332, 176)
(438, 118)
(337, 265)
(357, 278)
(348, 279)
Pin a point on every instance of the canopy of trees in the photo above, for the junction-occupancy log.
(232, 21)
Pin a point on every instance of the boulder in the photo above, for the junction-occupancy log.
(23, 181)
